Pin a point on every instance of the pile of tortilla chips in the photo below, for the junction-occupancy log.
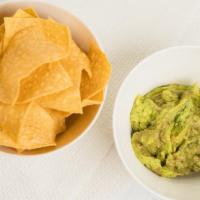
(44, 78)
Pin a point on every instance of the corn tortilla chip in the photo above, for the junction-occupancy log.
(37, 129)
(31, 12)
(75, 63)
(19, 14)
(95, 100)
(56, 32)
(17, 24)
(25, 54)
(47, 79)
(23, 127)
(66, 101)
(6, 140)
(80, 57)
(22, 14)
(73, 71)
(101, 70)
(53, 31)
(11, 119)
(2, 31)
(59, 120)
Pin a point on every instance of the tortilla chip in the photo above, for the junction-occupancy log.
(6, 140)
(22, 127)
(59, 120)
(47, 79)
(31, 12)
(95, 100)
(75, 63)
(2, 31)
(22, 14)
(56, 33)
(101, 70)
(15, 25)
(53, 31)
(37, 129)
(25, 54)
(78, 55)
(12, 30)
(74, 71)
(11, 118)
(66, 101)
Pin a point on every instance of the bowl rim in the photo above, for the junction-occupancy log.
(93, 121)
(116, 138)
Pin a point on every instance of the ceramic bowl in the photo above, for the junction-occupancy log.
(179, 64)
(79, 124)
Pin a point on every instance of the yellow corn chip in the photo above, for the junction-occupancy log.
(54, 32)
(23, 127)
(17, 24)
(1, 46)
(11, 118)
(66, 101)
(31, 12)
(47, 79)
(75, 63)
(59, 119)
(37, 129)
(81, 58)
(2, 31)
(21, 14)
(27, 51)
(6, 140)
(73, 71)
(101, 70)
(95, 100)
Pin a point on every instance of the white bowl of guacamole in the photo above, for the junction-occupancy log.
(156, 123)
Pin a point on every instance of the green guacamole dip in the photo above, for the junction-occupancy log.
(166, 129)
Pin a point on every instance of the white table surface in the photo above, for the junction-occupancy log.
(128, 30)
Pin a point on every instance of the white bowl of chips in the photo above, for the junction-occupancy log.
(53, 77)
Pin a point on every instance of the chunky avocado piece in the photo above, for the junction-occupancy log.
(143, 113)
(166, 130)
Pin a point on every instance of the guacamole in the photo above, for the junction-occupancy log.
(166, 129)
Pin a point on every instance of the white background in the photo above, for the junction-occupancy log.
(128, 30)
